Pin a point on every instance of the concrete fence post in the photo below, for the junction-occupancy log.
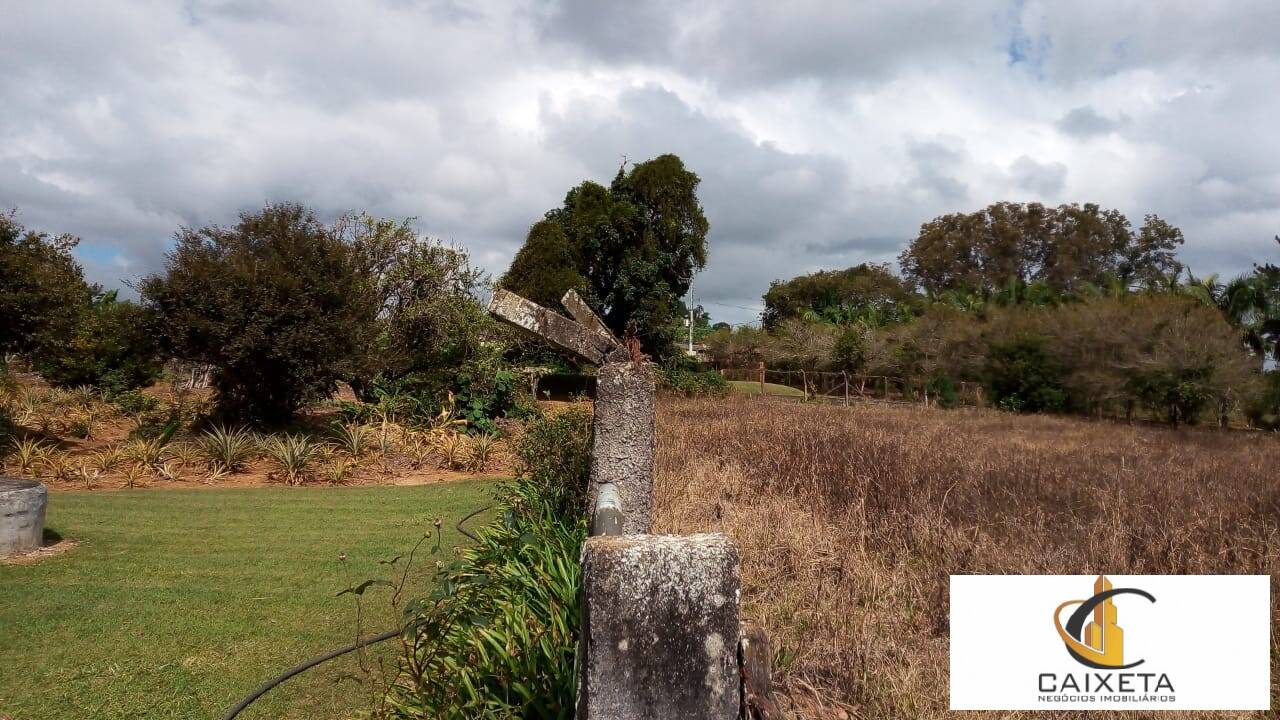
(624, 439)
(660, 628)
(660, 617)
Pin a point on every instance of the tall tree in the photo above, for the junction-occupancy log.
(278, 304)
(545, 267)
(42, 289)
(428, 320)
(1071, 249)
(635, 244)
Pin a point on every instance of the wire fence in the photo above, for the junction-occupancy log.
(847, 388)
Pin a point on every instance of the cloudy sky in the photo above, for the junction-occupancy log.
(824, 133)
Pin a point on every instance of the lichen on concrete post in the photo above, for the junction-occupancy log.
(625, 439)
(660, 628)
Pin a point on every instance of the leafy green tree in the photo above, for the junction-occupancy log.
(850, 349)
(867, 293)
(428, 325)
(113, 348)
(1069, 249)
(42, 289)
(545, 267)
(278, 304)
(635, 244)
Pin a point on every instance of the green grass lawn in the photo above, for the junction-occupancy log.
(176, 603)
(751, 387)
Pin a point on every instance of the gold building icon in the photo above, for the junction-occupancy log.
(1103, 635)
(1100, 643)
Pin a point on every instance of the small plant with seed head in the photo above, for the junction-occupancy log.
(148, 452)
(226, 448)
(354, 438)
(480, 450)
(28, 454)
(134, 472)
(107, 459)
(452, 448)
(292, 454)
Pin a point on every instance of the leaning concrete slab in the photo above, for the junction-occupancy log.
(579, 310)
(562, 333)
(22, 509)
(660, 628)
(624, 439)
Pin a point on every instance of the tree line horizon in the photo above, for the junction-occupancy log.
(284, 306)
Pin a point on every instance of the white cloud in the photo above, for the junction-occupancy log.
(824, 134)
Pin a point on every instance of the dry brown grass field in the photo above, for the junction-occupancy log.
(850, 521)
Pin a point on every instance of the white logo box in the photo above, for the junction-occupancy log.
(1208, 637)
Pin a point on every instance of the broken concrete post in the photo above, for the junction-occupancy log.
(562, 333)
(22, 509)
(659, 628)
(579, 310)
(624, 439)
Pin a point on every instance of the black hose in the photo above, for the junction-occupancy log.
(303, 667)
(474, 513)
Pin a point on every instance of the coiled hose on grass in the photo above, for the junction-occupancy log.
(265, 687)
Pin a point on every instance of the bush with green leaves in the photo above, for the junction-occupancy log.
(1022, 375)
(1264, 409)
(42, 289)
(498, 636)
(683, 376)
(483, 398)
(113, 348)
(135, 403)
(279, 304)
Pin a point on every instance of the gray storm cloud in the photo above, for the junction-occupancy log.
(824, 133)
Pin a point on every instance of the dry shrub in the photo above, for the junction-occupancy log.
(850, 521)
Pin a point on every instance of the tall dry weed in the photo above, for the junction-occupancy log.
(851, 520)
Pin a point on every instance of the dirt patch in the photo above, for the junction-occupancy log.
(44, 553)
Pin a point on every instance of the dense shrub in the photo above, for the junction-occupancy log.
(1264, 409)
(113, 348)
(555, 455)
(485, 398)
(687, 378)
(850, 350)
(1023, 376)
(498, 637)
(428, 325)
(277, 304)
(134, 403)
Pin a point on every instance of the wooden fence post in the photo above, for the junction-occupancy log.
(761, 371)
(845, 376)
(804, 385)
